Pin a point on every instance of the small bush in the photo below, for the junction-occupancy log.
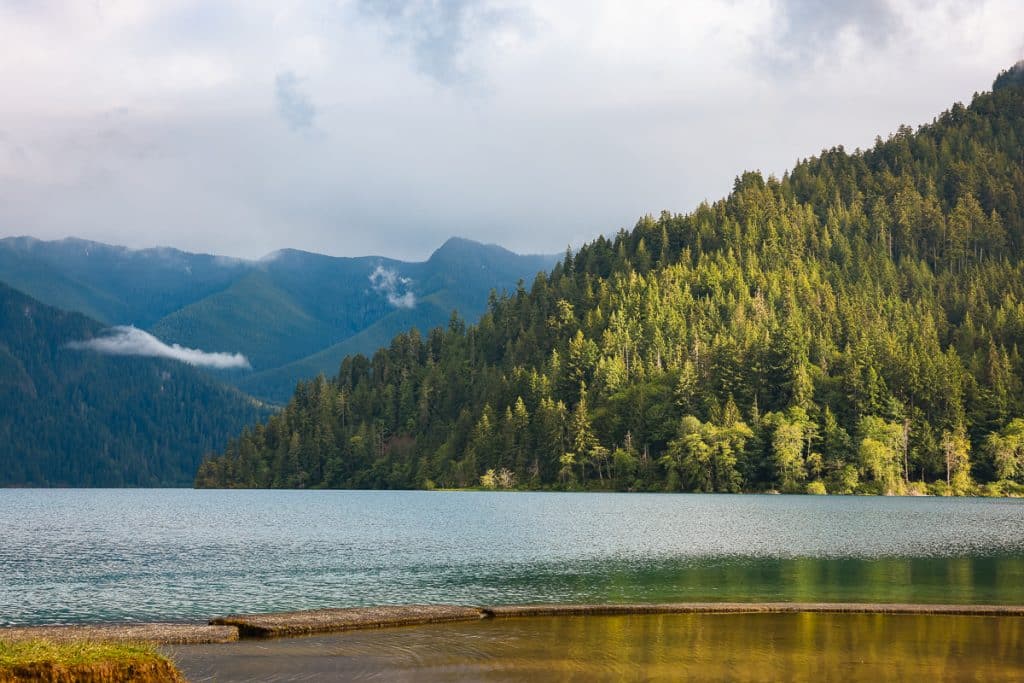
(917, 488)
(816, 488)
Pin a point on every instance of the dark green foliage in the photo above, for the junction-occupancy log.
(77, 418)
(853, 326)
(1012, 77)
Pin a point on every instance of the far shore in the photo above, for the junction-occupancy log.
(915, 493)
(980, 492)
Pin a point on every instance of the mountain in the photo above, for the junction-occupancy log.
(77, 418)
(853, 326)
(114, 285)
(298, 314)
(293, 314)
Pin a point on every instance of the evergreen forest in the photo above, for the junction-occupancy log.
(855, 326)
(78, 418)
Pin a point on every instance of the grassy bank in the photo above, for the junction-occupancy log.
(43, 660)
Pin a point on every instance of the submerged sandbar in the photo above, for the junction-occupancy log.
(356, 618)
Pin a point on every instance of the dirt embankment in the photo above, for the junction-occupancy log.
(151, 671)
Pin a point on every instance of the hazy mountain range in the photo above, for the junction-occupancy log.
(291, 314)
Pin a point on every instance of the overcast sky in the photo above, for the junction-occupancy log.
(364, 127)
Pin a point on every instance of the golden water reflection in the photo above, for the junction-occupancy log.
(740, 647)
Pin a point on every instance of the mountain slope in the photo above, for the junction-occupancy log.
(290, 306)
(854, 326)
(254, 316)
(456, 277)
(77, 418)
(278, 383)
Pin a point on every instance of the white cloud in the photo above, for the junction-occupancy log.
(396, 288)
(131, 341)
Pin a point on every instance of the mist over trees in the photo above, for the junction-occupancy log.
(854, 326)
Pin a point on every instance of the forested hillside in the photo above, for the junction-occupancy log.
(854, 326)
(77, 418)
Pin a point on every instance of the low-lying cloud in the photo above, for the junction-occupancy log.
(388, 282)
(128, 340)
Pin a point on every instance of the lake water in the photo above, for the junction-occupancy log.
(118, 555)
(668, 647)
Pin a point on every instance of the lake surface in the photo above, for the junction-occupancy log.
(118, 555)
(673, 647)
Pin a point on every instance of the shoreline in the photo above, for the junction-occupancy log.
(232, 628)
(480, 489)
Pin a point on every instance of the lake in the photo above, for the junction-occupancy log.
(667, 647)
(77, 555)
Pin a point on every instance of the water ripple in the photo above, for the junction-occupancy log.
(116, 555)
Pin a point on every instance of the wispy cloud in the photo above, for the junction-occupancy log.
(294, 106)
(388, 282)
(812, 31)
(438, 33)
(131, 341)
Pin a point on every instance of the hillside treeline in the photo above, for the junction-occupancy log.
(853, 326)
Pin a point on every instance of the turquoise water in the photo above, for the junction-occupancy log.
(115, 555)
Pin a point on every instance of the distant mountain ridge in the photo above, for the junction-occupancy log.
(110, 283)
(293, 313)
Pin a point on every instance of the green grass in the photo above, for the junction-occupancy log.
(35, 652)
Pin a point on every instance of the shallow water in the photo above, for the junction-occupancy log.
(114, 555)
(736, 647)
